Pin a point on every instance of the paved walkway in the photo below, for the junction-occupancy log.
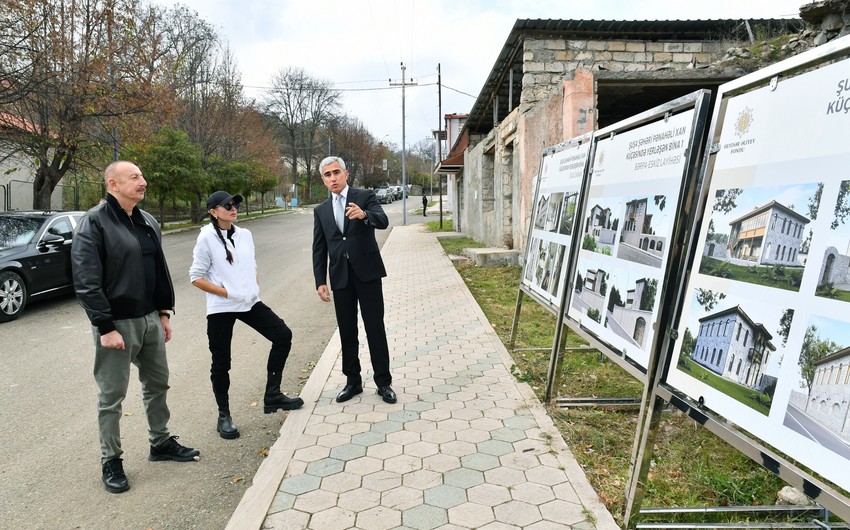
(465, 447)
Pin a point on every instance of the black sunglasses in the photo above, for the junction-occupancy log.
(229, 206)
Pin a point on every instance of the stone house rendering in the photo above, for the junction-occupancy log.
(555, 80)
(835, 268)
(829, 399)
(637, 229)
(594, 290)
(599, 225)
(768, 235)
(734, 347)
(631, 317)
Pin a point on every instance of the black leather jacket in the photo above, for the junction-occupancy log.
(108, 269)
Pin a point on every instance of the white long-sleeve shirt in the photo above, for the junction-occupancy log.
(209, 261)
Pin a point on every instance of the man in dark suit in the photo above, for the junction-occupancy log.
(344, 233)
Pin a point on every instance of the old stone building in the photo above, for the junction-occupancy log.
(829, 399)
(557, 79)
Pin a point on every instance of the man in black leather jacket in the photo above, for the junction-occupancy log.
(122, 281)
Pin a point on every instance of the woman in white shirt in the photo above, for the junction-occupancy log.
(225, 268)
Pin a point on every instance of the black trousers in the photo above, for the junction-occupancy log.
(369, 295)
(220, 333)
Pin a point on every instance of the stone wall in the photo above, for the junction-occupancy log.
(825, 20)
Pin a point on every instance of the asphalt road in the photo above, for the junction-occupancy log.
(50, 471)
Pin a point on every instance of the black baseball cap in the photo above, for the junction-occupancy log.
(220, 198)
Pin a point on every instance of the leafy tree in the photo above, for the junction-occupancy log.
(813, 349)
(785, 325)
(725, 200)
(615, 299)
(647, 299)
(814, 202)
(708, 298)
(842, 205)
(688, 343)
(660, 201)
(171, 165)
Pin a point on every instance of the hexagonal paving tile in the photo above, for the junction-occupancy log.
(471, 515)
(517, 513)
(548, 476)
(504, 476)
(403, 464)
(441, 463)
(438, 437)
(315, 501)
(507, 434)
(422, 479)
(418, 406)
(384, 450)
(368, 438)
(348, 452)
(287, 520)
(299, 484)
(359, 499)
(403, 437)
(463, 478)
(488, 494)
(340, 418)
(282, 501)
(342, 482)
(364, 465)
(520, 422)
(311, 454)
(334, 439)
(424, 517)
(378, 518)
(381, 481)
(523, 461)
(445, 496)
(457, 448)
(495, 447)
(355, 427)
(421, 449)
(531, 493)
(480, 462)
(402, 498)
(563, 512)
(325, 467)
(387, 427)
(335, 518)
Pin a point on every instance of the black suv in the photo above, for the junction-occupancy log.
(35, 258)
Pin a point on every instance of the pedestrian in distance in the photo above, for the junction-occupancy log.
(121, 279)
(225, 268)
(345, 247)
(424, 204)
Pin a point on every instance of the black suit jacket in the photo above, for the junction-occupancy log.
(355, 244)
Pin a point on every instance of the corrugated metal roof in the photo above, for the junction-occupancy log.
(510, 57)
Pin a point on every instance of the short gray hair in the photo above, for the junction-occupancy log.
(330, 160)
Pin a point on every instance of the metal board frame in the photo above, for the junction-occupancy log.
(697, 102)
(661, 392)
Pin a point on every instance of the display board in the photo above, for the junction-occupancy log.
(640, 168)
(559, 187)
(764, 334)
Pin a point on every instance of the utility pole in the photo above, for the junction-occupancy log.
(403, 155)
(440, 139)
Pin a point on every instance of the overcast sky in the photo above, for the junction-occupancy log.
(359, 45)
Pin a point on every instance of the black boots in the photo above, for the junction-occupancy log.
(225, 426)
(274, 399)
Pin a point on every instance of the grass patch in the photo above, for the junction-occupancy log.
(690, 467)
(758, 401)
(779, 276)
(434, 226)
(455, 245)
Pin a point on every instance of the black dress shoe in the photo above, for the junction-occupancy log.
(348, 392)
(225, 427)
(114, 479)
(387, 393)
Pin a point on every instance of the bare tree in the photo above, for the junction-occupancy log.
(303, 106)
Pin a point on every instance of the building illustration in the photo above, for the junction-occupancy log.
(637, 229)
(594, 289)
(599, 223)
(768, 235)
(631, 318)
(734, 347)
